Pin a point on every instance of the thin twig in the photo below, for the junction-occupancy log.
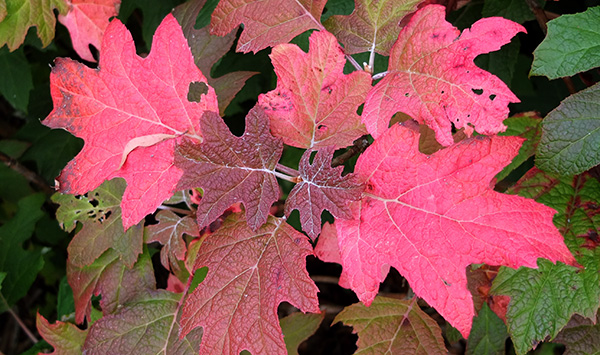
(540, 14)
(19, 321)
(358, 147)
(176, 210)
(28, 174)
(325, 279)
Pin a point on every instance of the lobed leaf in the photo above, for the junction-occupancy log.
(322, 188)
(488, 335)
(432, 216)
(149, 325)
(66, 338)
(207, 49)
(526, 125)
(432, 78)
(232, 169)
(17, 16)
(572, 45)
(129, 100)
(581, 336)
(86, 21)
(374, 25)
(102, 228)
(571, 134)
(297, 327)
(391, 326)
(543, 301)
(110, 277)
(314, 104)
(249, 275)
(266, 23)
(169, 232)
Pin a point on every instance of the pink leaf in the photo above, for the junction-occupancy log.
(249, 275)
(432, 216)
(314, 104)
(128, 98)
(432, 78)
(86, 21)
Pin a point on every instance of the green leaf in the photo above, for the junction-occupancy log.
(147, 326)
(21, 266)
(525, 125)
(502, 62)
(15, 81)
(99, 212)
(393, 326)
(572, 45)
(22, 14)
(581, 336)
(488, 334)
(65, 303)
(297, 327)
(516, 10)
(51, 149)
(66, 338)
(111, 278)
(571, 134)
(543, 300)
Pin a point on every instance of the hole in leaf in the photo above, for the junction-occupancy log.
(477, 91)
(492, 97)
(94, 203)
(196, 90)
(107, 214)
(406, 94)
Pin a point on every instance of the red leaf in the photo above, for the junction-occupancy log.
(133, 108)
(169, 232)
(432, 216)
(314, 104)
(249, 275)
(432, 77)
(266, 23)
(231, 169)
(66, 338)
(322, 188)
(86, 21)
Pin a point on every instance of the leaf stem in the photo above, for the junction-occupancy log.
(287, 170)
(379, 75)
(176, 210)
(285, 177)
(353, 62)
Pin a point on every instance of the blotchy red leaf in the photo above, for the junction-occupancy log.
(232, 169)
(432, 77)
(314, 104)
(267, 22)
(432, 216)
(249, 275)
(322, 188)
(128, 109)
(86, 21)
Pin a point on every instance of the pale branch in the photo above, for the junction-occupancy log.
(379, 75)
(359, 146)
(353, 62)
(27, 174)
